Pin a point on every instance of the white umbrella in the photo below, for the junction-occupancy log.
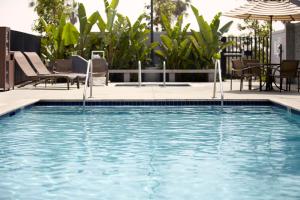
(268, 10)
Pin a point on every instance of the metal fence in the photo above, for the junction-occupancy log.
(244, 47)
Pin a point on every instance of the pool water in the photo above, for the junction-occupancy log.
(193, 153)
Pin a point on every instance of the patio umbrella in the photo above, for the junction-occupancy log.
(268, 10)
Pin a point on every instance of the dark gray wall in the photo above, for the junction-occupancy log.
(23, 42)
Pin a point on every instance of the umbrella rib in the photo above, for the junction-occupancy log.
(293, 19)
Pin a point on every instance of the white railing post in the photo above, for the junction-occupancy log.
(91, 79)
(164, 73)
(140, 73)
(215, 81)
(86, 82)
(221, 82)
(218, 69)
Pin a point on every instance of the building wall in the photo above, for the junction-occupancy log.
(278, 38)
(290, 40)
(297, 41)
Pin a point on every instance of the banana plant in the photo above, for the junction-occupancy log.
(125, 43)
(85, 27)
(106, 28)
(175, 45)
(138, 35)
(131, 42)
(207, 40)
(58, 39)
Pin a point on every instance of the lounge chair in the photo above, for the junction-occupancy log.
(100, 67)
(41, 69)
(288, 69)
(246, 69)
(36, 78)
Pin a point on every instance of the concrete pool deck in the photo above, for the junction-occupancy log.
(21, 97)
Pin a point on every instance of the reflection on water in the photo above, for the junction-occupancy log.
(150, 153)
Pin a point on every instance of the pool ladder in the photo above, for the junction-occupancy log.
(218, 69)
(89, 76)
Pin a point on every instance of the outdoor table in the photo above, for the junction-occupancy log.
(269, 74)
(268, 69)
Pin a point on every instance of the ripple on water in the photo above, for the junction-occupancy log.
(49, 152)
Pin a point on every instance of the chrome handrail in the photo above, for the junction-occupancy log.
(218, 68)
(89, 76)
(87, 79)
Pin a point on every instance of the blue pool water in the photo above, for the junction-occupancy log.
(192, 153)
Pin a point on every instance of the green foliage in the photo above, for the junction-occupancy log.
(59, 40)
(85, 27)
(51, 11)
(255, 28)
(171, 9)
(125, 43)
(207, 40)
(106, 28)
(175, 47)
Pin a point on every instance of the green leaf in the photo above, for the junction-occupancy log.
(114, 4)
(195, 10)
(205, 29)
(226, 27)
(111, 14)
(166, 24)
(167, 41)
(101, 24)
(196, 45)
(153, 45)
(215, 23)
(70, 34)
(82, 18)
(92, 21)
(160, 53)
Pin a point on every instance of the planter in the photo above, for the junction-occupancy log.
(63, 65)
(152, 77)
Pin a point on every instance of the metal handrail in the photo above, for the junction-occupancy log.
(218, 68)
(88, 74)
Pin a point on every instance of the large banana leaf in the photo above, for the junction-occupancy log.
(101, 24)
(167, 42)
(206, 41)
(82, 18)
(91, 22)
(114, 4)
(70, 34)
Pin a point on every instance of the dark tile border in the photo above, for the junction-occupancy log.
(157, 103)
(182, 102)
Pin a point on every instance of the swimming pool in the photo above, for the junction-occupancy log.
(150, 152)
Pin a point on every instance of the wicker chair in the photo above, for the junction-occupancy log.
(288, 70)
(246, 69)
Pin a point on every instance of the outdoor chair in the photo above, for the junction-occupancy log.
(36, 78)
(41, 69)
(100, 69)
(246, 69)
(288, 70)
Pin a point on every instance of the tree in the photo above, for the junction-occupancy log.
(256, 28)
(172, 9)
(51, 11)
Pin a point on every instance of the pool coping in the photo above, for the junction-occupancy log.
(153, 102)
